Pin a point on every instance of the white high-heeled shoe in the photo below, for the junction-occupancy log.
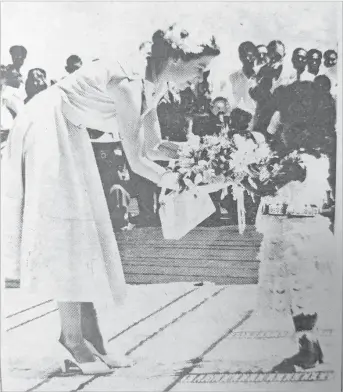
(87, 368)
(109, 360)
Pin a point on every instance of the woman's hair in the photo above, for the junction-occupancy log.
(176, 43)
(30, 73)
(30, 87)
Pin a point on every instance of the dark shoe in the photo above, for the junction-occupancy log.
(309, 354)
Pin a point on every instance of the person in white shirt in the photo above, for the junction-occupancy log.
(314, 61)
(299, 61)
(11, 104)
(236, 87)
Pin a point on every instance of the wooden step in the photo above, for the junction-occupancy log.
(218, 254)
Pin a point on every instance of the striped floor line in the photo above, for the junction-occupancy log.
(29, 308)
(225, 378)
(176, 319)
(148, 338)
(153, 313)
(272, 334)
(58, 372)
(196, 361)
(30, 320)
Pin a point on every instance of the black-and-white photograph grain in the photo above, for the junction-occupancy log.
(171, 196)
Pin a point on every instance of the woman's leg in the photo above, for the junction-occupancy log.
(92, 333)
(310, 352)
(71, 332)
(304, 313)
(90, 327)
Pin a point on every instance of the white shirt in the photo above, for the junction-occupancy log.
(10, 99)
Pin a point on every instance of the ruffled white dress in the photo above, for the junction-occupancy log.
(297, 254)
(56, 228)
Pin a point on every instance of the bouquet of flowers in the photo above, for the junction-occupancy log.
(277, 171)
(221, 160)
(208, 164)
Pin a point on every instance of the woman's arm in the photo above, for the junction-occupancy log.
(154, 148)
(132, 132)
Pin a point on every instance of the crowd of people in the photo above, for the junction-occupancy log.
(244, 101)
(60, 214)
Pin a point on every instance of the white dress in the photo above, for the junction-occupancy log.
(56, 229)
(297, 254)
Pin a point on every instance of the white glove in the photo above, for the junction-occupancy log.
(170, 180)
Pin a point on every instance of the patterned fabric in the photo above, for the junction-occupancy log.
(297, 254)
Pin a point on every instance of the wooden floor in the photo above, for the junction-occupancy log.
(218, 254)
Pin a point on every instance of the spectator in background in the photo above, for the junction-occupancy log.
(74, 63)
(203, 96)
(11, 103)
(299, 61)
(330, 63)
(18, 54)
(314, 61)
(241, 81)
(268, 77)
(330, 58)
(215, 120)
(276, 54)
(263, 56)
(35, 83)
(236, 86)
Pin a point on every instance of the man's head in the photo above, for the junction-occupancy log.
(18, 54)
(262, 51)
(74, 62)
(276, 52)
(248, 54)
(330, 58)
(220, 106)
(314, 60)
(299, 59)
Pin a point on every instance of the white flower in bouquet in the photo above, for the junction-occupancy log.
(210, 141)
(186, 151)
(240, 160)
(203, 164)
(193, 141)
(264, 174)
(198, 179)
(187, 162)
(262, 152)
(209, 176)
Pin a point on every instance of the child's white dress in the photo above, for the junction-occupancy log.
(297, 254)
